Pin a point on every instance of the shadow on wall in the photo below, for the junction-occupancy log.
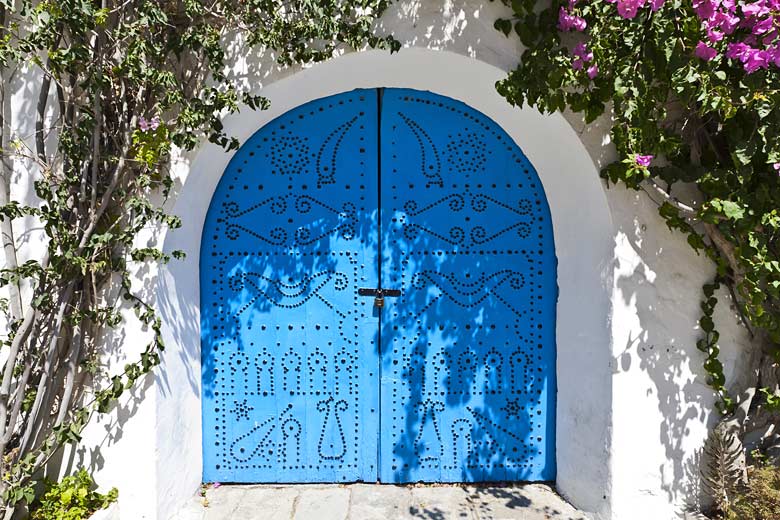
(658, 280)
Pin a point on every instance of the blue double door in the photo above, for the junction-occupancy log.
(309, 375)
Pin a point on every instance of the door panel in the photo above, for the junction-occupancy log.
(468, 350)
(289, 353)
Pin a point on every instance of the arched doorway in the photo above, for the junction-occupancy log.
(310, 375)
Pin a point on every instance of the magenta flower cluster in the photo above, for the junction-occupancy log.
(148, 124)
(629, 8)
(750, 31)
(568, 21)
(583, 56)
(643, 160)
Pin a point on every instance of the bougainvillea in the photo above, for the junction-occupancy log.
(748, 33)
(692, 88)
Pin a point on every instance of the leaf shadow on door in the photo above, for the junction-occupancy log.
(462, 399)
(468, 350)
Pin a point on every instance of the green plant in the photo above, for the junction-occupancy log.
(119, 86)
(723, 466)
(71, 499)
(760, 500)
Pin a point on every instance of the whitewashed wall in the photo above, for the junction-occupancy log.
(633, 409)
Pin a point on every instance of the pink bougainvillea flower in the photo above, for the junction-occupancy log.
(763, 25)
(564, 20)
(752, 59)
(568, 21)
(759, 8)
(776, 166)
(145, 125)
(774, 55)
(581, 51)
(705, 52)
(737, 51)
(215, 485)
(756, 59)
(643, 160)
(771, 36)
(726, 22)
(705, 9)
(628, 8)
(583, 55)
(714, 36)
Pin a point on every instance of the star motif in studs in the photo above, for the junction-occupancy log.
(512, 408)
(242, 409)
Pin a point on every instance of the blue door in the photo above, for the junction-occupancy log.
(468, 349)
(310, 374)
(289, 354)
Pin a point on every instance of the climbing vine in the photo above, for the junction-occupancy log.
(116, 87)
(691, 88)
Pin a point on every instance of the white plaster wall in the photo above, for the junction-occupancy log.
(633, 407)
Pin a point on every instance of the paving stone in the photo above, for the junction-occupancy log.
(441, 503)
(326, 503)
(372, 502)
(268, 503)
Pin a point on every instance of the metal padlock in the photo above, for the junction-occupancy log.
(379, 301)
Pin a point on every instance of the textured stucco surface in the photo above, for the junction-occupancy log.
(633, 409)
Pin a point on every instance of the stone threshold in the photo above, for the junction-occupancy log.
(379, 502)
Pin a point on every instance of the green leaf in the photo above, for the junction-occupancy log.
(744, 153)
(503, 25)
(732, 210)
(706, 324)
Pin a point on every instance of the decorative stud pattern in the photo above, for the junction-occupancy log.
(294, 360)
(468, 393)
(289, 155)
(286, 244)
(242, 409)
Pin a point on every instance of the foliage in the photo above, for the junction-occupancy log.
(122, 83)
(761, 499)
(723, 466)
(692, 88)
(71, 499)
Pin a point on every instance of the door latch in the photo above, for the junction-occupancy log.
(379, 295)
